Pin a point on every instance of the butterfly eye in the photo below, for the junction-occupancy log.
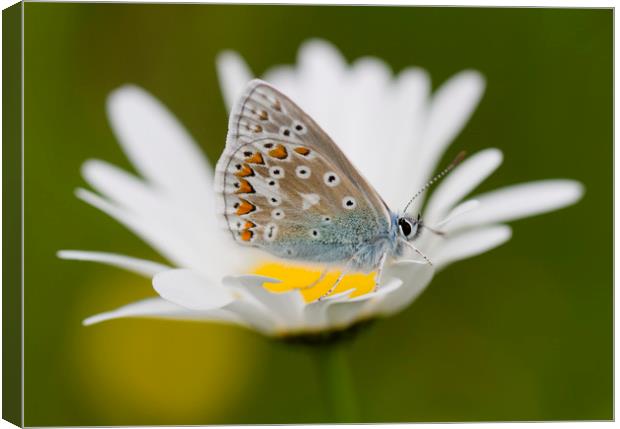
(405, 227)
(331, 179)
(349, 203)
(303, 172)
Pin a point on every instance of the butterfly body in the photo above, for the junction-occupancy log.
(341, 241)
(286, 188)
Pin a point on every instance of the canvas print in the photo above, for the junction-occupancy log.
(262, 214)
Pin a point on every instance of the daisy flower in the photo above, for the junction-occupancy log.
(389, 125)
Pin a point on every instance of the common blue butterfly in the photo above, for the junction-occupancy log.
(285, 187)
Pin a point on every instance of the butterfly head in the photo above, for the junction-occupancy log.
(409, 228)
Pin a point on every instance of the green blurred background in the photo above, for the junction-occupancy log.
(521, 333)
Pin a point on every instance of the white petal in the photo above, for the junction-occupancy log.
(174, 230)
(450, 109)
(460, 182)
(157, 144)
(320, 78)
(149, 205)
(414, 277)
(410, 95)
(189, 289)
(139, 266)
(253, 315)
(233, 74)
(342, 314)
(284, 77)
(164, 240)
(346, 311)
(122, 187)
(178, 217)
(160, 308)
(366, 116)
(286, 307)
(461, 209)
(315, 313)
(519, 201)
(470, 243)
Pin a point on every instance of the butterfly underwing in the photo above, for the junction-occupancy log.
(285, 187)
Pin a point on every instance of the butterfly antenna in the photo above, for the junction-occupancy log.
(419, 252)
(453, 164)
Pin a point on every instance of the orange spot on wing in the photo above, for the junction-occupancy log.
(246, 235)
(278, 152)
(245, 207)
(244, 187)
(249, 225)
(302, 150)
(255, 158)
(245, 171)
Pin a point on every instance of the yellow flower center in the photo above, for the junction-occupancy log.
(300, 277)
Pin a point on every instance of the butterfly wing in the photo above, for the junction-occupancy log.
(287, 188)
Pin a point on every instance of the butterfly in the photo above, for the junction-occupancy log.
(285, 187)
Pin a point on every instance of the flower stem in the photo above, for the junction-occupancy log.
(336, 382)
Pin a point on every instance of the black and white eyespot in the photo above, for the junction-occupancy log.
(331, 179)
(285, 131)
(270, 232)
(327, 219)
(273, 184)
(314, 233)
(276, 172)
(349, 203)
(299, 128)
(302, 171)
(277, 214)
(274, 200)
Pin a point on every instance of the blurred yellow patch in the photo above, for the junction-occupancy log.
(148, 371)
(297, 276)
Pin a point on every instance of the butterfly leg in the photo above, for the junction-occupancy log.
(335, 285)
(379, 272)
(317, 281)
